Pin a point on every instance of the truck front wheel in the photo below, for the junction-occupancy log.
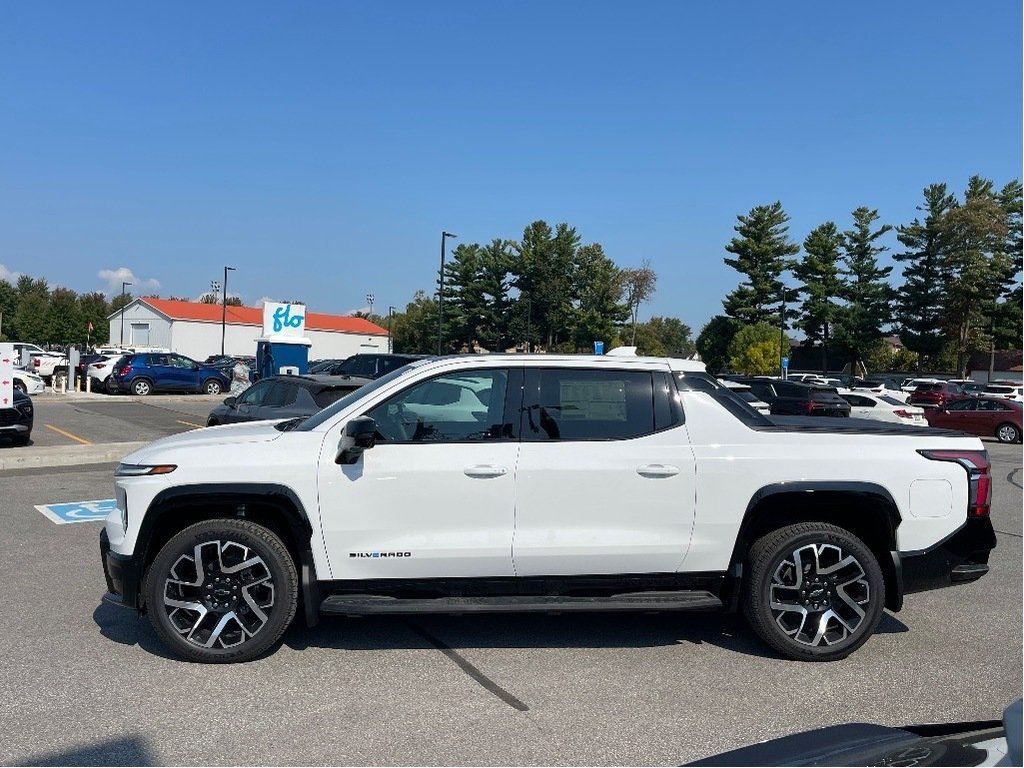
(814, 591)
(222, 591)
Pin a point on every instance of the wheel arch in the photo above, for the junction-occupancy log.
(274, 506)
(865, 509)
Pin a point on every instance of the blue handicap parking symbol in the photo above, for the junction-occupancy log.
(78, 511)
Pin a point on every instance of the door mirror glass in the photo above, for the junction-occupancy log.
(359, 435)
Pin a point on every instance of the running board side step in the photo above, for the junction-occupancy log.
(361, 605)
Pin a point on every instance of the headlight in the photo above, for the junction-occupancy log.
(138, 470)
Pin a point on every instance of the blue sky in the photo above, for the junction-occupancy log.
(321, 147)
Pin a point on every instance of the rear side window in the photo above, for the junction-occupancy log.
(579, 404)
(824, 395)
(325, 397)
(929, 388)
(280, 395)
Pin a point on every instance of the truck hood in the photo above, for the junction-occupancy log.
(226, 436)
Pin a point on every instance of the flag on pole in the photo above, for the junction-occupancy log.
(90, 327)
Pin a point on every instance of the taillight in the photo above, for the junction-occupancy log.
(100, 365)
(979, 496)
(35, 362)
(125, 371)
(901, 413)
(810, 405)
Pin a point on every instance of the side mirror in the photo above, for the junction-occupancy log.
(195, 366)
(230, 401)
(360, 434)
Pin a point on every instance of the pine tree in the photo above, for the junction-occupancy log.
(763, 252)
(866, 290)
(819, 273)
(919, 310)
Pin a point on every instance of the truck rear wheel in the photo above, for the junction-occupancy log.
(814, 592)
(222, 591)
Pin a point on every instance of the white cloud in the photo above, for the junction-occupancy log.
(6, 274)
(114, 277)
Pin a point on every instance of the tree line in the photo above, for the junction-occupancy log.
(960, 291)
(546, 291)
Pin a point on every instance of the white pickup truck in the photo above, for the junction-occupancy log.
(43, 363)
(543, 483)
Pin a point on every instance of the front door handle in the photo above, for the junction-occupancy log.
(657, 470)
(484, 470)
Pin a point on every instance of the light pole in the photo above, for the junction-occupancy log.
(369, 300)
(123, 286)
(391, 344)
(224, 309)
(440, 293)
(782, 334)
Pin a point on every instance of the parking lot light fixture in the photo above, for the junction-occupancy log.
(224, 309)
(123, 286)
(440, 294)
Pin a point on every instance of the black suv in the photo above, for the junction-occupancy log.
(794, 398)
(283, 397)
(370, 366)
(16, 418)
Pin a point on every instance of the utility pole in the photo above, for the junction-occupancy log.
(123, 286)
(224, 309)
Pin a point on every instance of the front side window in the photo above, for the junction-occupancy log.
(454, 407)
(280, 395)
(254, 395)
(963, 405)
(575, 404)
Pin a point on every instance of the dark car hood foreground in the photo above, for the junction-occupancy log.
(987, 742)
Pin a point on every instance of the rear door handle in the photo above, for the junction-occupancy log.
(657, 470)
(485, 470)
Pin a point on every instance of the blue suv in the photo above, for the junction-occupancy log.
(146, 372)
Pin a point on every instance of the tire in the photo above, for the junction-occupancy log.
(21, 440)
(226, 612)
(1008, 433)
(212, 387)
(839, 587)
(19, 385)
(212, 423)
(142, 387)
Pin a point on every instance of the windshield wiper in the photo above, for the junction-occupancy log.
(289, 424)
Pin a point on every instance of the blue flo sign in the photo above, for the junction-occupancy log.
(78, 511)
(284, 319)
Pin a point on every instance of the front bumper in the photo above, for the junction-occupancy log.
(961, 558)
(121, 572)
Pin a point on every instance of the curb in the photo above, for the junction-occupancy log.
(67, 455)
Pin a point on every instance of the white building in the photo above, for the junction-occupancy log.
(194, 330)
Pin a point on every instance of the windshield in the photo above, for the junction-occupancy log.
(320, 417)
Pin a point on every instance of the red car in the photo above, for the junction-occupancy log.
(937, 395)
(984, 416)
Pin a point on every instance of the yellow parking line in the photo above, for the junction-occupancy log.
(190, 424)
(81, 440)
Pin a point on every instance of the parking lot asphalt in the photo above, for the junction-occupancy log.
(84, 682)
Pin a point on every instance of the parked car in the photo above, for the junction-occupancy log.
(909, 385)
(981, 743)
(743, 392)
(148, 372)
(1009, 391)
(936, 395)
(16, 419)
(369, 365)
(867, 405)
(324, 366)
(28, 382)
(574, 483)
(793, 398)
(283, 397)
(973, 388)
(983, 416)
(99, 370)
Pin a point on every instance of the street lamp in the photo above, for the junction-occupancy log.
(224, 309)
(440, 293)
(782, 332)
(391, 315)
(123, 285)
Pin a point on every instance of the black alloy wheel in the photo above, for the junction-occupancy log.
(222, 590)
(814, 591)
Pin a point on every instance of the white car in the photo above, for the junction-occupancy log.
(100, 370)
(512, 483)
(746, 394)
(1013, 392)
(868, 405)
(28, 382)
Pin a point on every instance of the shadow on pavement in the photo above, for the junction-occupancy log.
(132, 750)
(126, 627)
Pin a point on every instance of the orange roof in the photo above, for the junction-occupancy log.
(211, 313)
